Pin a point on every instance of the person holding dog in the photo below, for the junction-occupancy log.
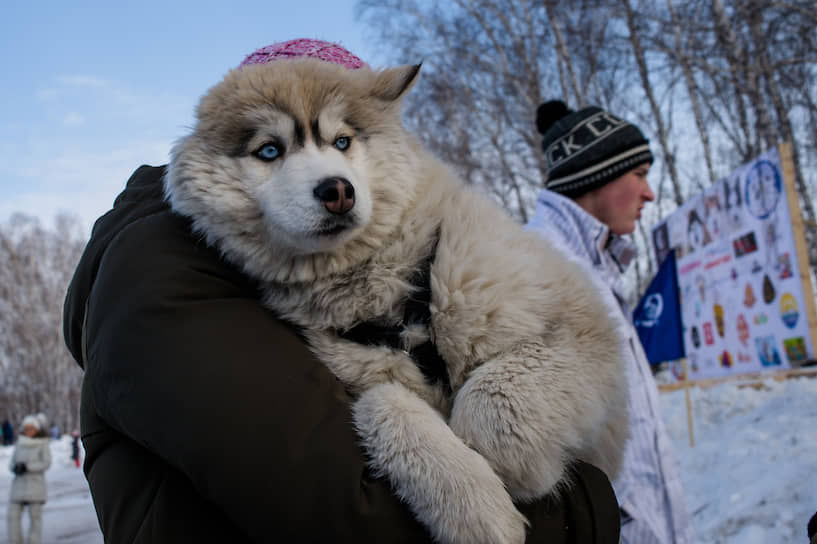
(596, 186)
(29, 461)
(174, 341)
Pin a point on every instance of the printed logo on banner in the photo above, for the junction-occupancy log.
(725, 359)
(697, 234)
(744, 357)
(766, 351)
(677, 368)
(701, 283)
(693, 362)
(712, 207)
(749, 296)
(721, 259)
(732, 201)
(709, 338)
(768, 290)
(745, 244)
(756, 268)
(795, 350)
(743, 330)
(717, 309)
(696, 337)
(761, 319)
(689, 267)
(651, 311)
(788, 310)
(784, 266)
(770, 230)
(763, 189)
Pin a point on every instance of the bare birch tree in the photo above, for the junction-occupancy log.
(658, 116)
(38, 373)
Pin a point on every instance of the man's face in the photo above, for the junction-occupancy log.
(618, 204)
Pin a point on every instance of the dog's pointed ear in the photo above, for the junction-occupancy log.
(393, 83)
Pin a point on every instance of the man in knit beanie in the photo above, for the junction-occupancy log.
(596, 186)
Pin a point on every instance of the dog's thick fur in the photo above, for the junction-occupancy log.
(534, 357)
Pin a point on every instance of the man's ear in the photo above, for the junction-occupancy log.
(393, 83)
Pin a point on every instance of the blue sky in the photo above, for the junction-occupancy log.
(92, 89)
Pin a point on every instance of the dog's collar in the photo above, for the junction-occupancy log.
(416, 312)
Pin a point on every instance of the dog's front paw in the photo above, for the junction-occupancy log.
(502, 412)
(483, 518)
(449, 487)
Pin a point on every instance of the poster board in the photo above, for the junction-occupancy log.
(747, 303)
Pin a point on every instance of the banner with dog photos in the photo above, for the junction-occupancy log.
(744, 285)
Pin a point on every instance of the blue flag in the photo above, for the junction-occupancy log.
(657, 317)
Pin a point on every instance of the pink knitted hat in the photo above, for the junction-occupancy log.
(304, 47)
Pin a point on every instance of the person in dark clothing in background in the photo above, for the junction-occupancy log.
(75, 447)
(8, 433)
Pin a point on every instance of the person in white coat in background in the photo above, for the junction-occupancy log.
(596, 186)
(29, 461)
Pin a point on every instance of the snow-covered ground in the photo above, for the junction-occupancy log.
(751, 477)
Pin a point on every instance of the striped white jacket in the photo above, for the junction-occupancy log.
(649, 485)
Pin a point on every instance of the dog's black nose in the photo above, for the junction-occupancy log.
(337, 194)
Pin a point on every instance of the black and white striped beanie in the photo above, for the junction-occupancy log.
(588, 148)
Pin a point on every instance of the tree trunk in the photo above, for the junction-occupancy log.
(643, 72)
(737, 65)
(692, 89)
(565, 63)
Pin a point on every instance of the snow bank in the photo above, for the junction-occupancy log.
(751, 477)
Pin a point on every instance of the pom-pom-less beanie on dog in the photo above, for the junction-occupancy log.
(588, 148)
(303, 47)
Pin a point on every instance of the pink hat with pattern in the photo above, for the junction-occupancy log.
(304, 47)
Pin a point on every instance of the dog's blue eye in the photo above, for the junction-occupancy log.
(268, 152)
(343, 142)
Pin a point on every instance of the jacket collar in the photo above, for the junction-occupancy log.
(595, 235)
(29, 441)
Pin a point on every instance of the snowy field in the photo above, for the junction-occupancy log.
(751, 477)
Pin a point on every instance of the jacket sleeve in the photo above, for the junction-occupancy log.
(176, 345)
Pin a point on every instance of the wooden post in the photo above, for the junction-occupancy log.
(798, 232)
(687, 385)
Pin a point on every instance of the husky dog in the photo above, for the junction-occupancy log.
(300, 171)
